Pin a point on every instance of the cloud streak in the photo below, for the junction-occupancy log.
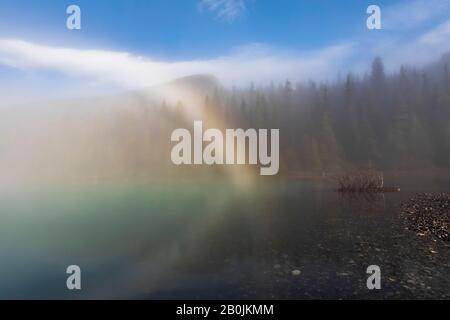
(226, 10)
(410, 14)
(94, 70)
(254, 63)
(426, 48)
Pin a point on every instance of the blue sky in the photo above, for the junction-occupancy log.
(137, 43)
(186, 29)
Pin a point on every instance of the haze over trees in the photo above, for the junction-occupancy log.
(397, 121)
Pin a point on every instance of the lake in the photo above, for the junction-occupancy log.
(204, 239)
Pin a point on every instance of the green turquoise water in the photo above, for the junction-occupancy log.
(210, 239)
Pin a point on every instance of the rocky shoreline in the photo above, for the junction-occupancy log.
(428, 214)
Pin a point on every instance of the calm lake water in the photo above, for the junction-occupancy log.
(203, 239)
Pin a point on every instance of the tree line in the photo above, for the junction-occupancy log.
(398, 121)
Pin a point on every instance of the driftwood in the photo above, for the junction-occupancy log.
(362, 181)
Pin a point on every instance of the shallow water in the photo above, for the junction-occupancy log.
(204, 239)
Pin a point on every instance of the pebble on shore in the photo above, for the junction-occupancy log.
(296, 272)
(429, 214)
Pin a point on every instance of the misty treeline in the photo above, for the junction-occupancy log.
(399, 121)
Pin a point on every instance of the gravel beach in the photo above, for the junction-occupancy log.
(429, 214)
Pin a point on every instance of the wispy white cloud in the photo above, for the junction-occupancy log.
(412, 13)
(254, 63)
(95, 70)
(417, 33)
(420, 51)
(226, 10)
(438, 36)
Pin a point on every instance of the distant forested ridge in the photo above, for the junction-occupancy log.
(398, 121)
(395, 121)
